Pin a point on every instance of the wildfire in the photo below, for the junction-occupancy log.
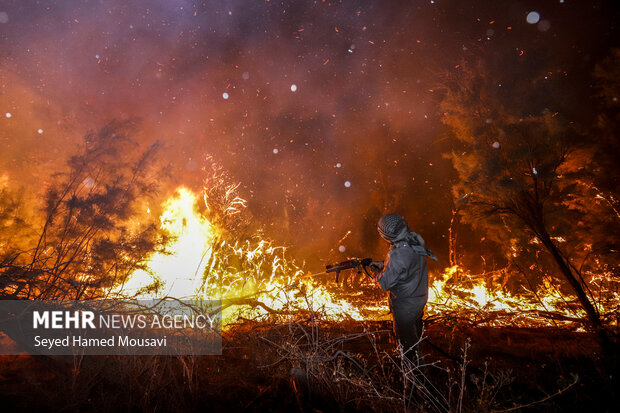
(254, 278)
(251, 276)
(177, 272)
(472, 297)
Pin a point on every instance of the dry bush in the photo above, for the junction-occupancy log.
(357, 370)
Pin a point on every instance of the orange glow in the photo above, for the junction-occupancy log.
(254, 278)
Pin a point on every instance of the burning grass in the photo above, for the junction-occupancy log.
(209, 257)
(295, 342)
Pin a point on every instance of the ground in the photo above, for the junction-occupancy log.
(311, 366)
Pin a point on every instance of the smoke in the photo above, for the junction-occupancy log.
(354, 138)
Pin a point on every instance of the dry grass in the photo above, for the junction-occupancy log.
(308, 364)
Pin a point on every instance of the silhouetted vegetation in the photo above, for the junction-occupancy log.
(92, 231)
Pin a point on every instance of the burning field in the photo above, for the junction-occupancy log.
(220, 157)
(256, 279)
(293, 339)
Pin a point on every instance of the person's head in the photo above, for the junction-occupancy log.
(392, 227)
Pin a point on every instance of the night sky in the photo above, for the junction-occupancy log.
(326, 112)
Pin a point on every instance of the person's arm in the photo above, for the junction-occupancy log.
(393, 270)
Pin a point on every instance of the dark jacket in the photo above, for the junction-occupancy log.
(405, 276)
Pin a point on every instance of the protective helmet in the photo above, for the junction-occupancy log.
(391, 226)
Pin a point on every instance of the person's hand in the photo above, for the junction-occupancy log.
(376, 266)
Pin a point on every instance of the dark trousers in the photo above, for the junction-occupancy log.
(407, 314)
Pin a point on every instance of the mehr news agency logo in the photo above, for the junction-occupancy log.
(109, 327)
(82, 320)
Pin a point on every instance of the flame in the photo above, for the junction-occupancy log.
(176, 273)
(251, 276)
(254, 278)
(472, 296)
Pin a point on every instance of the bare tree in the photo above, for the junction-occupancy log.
(524, 177)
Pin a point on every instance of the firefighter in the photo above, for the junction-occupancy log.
(405, 275)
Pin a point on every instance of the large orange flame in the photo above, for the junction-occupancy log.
(193, 267)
